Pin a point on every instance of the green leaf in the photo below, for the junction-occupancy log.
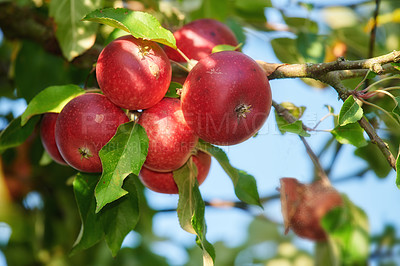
(244, 184)
(348, 232)
(301, 25)
(326, 254)
(124, 154)
(74, 35)
(235, 25)
(374, 158)
(224, 47)
(116, 33)
(350, 112)
(191, 209)
(398, 171)
(252, 11)
(219, 10)
(173, 89)
(185, 179)
(139, 24)
(114, 222)
(91, 230)
(120, 217)
(295, 111)
(52, 99)
(15, 134)
(286, 50)
(311, 46)
(296, 128)
(396, 66)
(350, 134)
(396, 109)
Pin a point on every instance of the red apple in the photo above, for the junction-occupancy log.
(83, 127)
(226, 98)
(197, 39)
(303, 207)
(163, 182)
(133, 73)
(47, 129)
(171, 141)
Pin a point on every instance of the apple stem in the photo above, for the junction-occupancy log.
(242, 110)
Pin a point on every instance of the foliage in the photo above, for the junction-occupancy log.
(114, 204)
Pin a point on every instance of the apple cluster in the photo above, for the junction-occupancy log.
(225, 100)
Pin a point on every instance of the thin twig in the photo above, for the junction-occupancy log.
(373, 30)
(291, 119)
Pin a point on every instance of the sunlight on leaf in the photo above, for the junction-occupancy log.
(350, 112)
(74, 35)
(191, 208)
(139, 24)
(51, 100)
(124, 154)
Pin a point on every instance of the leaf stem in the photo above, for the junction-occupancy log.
(380, 108)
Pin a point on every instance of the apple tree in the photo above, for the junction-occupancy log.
(127, 97)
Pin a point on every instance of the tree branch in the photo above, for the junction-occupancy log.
(334, 80)
(280, 71)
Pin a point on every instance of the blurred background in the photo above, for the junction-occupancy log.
(39, 220)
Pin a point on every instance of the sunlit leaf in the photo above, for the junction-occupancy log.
(398, 171)
(223, 47)
(296, 128)
(326, 254)
(311, 46)
(350, 134)
(191, 209)
(213, 9)
(350, 112)
(286, 50)
(348, 232)
(124, 154)
(52, 99)
(74, 35)
(139, 24)
(252, 11)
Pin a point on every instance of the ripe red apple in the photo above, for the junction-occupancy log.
(197, 39)
(226, 98)
(83, 127)
(47, 129)
(163, 182)
(171, 141)
(303, 207)
(133, 73)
